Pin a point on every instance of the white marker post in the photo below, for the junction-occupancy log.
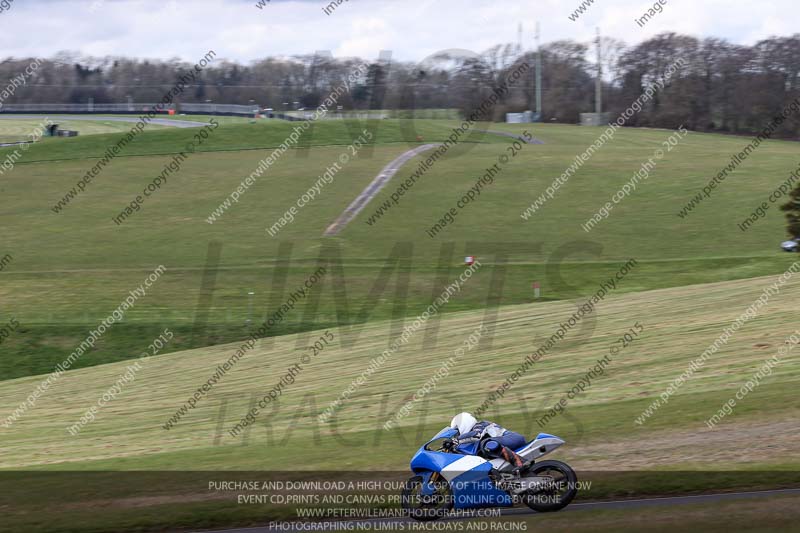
(250, 308)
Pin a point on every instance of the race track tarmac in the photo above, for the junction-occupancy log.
(133, 119)
(618, 504)
(374, 188)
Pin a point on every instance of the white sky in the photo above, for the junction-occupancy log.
(237, 30)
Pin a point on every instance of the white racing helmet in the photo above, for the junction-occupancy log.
(463, 422)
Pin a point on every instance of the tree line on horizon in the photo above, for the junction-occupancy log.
(722, 86)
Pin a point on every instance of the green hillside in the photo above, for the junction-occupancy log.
(71, 269)
(599, 425)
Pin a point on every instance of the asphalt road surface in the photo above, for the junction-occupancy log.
(618, 504)
(374, 188)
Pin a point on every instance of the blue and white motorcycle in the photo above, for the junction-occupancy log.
(447, 478)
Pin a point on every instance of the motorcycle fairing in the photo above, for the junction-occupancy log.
(468, 476)
(471, 485)
(434, 461)
(543, 444)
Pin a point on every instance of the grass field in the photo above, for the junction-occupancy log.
(598, 425)
(694, 276)
(222, 119)
(66, 286)
(678, 325)
(12, 130)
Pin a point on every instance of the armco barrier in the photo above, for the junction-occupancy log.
(131, 109)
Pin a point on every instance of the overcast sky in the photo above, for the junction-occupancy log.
(238, 30)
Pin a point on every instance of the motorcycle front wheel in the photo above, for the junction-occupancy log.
(558, 492)
(426, 507)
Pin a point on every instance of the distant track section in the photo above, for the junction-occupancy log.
(373, 189)
(513, 136)
(405, 524)
(133, 119)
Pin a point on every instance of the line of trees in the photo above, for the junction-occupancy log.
(792, 209)
(723, 86)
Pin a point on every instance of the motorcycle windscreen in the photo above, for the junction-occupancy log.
(445, 433)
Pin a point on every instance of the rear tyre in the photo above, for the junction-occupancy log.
(558, 493)
(425, 508)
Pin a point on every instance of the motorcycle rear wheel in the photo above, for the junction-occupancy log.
(563, 490)
(426, 508)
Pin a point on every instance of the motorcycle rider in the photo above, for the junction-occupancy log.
(494, 441)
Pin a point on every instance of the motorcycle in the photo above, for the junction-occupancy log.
(449, 477)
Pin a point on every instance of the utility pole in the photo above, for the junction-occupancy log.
(538, 75)
(598, 93)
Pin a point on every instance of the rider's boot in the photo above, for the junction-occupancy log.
(514, 458)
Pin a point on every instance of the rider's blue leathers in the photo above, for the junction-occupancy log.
(494, 441)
